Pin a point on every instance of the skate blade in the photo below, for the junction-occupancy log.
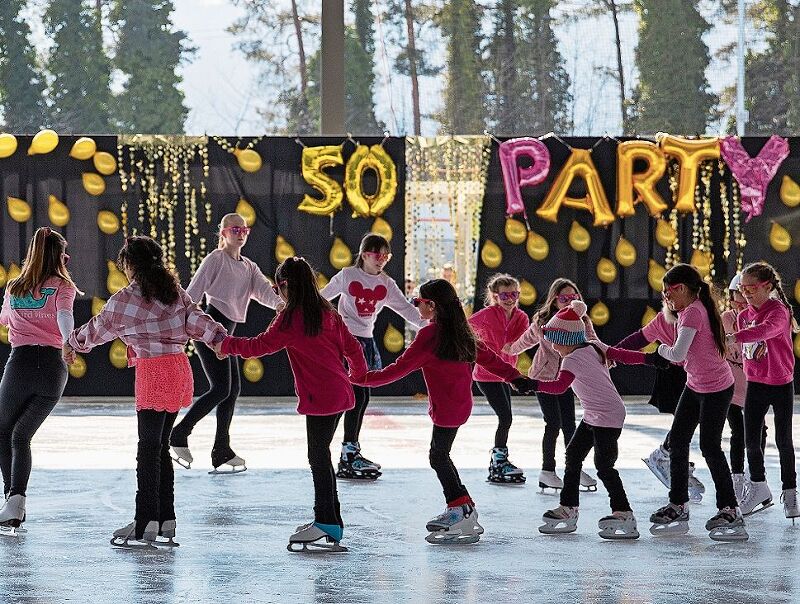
(723, 534)
(548, 529)
(166, 542)
(133, 544)
(313, 547)
(507, 481)
(761, 507)
(589, 489)
(545, 489)
(609, 533)
(182, 463)
(671, 529)
(12, 531)
(359, 476)
(443, 538)
(235, 470)
(652, 468)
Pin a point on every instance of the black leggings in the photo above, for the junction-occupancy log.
(736, 424)
(439, 456)
(499, 396)
(606, 451)
(225, 385)
(319, 434)
(708, 409)
(558, 411)
(32, 384)
(758, 400)
(354, 418)
(155, 478)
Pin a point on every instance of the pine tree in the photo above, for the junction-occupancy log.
(673, 93)
(148, 53)
(79, 68)
(359, 70)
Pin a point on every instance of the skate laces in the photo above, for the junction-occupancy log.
(728, 514)
(564, 512)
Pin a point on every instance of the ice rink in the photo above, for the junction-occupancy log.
(233, 530)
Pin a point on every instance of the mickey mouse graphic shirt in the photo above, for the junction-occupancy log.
(362, 296)
(32, 318)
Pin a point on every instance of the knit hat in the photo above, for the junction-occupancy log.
(567, 327)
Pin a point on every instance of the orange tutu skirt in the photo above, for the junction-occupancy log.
(164, 383)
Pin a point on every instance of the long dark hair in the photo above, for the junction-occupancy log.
(688, 276)
(145, 259)
(301, 294)
(766, 273)
(548, 307)
(45, 259)
(372, 242)
(456, 338)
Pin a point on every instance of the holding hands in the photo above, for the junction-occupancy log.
(524, 385)
(68, 353)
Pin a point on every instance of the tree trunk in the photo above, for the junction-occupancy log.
(412, 66)
(612, 4)
(507, 72)
(298, 31)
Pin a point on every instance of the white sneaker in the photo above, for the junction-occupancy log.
(757, 497)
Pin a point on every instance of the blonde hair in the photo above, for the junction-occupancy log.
(45, 259)
(225, 222)
(497, 281)
(548, 307)
(766, 272)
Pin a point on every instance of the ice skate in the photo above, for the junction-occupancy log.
(727, 525)
(563, 519)
(315, 537)
(361, 457)
(353, 465)
(12, 515)
(757, 498)
(182, 456)
(619, 525)
(548, 479)
(167, 532)
(501, 470)
(672, 519)
(696, 488)
(738, 486)
(588, 484)
(126, 537)
(227, 457)
(790, 509)
(658, 462)
(456, 525)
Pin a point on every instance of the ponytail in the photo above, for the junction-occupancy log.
(709, 301)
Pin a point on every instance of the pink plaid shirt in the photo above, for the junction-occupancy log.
(150, 329)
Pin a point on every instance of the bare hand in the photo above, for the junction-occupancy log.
(68, 354)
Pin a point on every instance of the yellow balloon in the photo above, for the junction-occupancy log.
(779, 238)
(340, 255)
(8, 145)
(248, 159)
(655, 274)
(13, 272)
(649, 315)
(393, 340)
(4, 334)
(97, 305)
(57, 211)
(796, 290)
(78, 368)
(625, 253)
(599, 314)
(491, 255)
(283, 249)
(313, 163)
(579, 237)
(606, 270)
(373, 158)
(93, 183)
(516, 231)
(246, 211)
(118, 354)
(527, 293)
(690, 153)
(524, 363)
(104, 163)
(44, 142)
(537, 246)
(797, 346)
(665, 233)
(107, 222)
(644, 183)
(83, 148)
(3, 276)
(790, 191)
(116, 279)
(322, 281)
(18, 209)
(253, 370)
(382, 228)
(579, 165)
(702, 262)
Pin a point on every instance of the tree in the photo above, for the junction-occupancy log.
(360, 73)
(673, 93)
(79, 69)
(148, 53)
(21, 84)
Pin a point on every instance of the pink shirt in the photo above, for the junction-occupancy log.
(546, 361)
(496, 330)
(660, 328)
(706, 370)
(770, 324)
(32, 319)
(733, 354)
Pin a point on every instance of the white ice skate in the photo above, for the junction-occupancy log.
(167, 531)
(658, 462)
(619, 525)
(563, 519)
(317, 538)
(790, 509)
(757, 498)
(183, 457)
(353, 465)
(126, 537)
(696, 488)
(738, 486)
(548, 479)
(727, 525)
(672, 519)
(12, 515)
(501, 470)
(588, 484)
(456, 525)
(236, 464)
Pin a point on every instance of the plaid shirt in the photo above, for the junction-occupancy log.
(150, 329)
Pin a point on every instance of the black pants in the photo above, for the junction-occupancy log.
(32, 384)
(709, 410)
(155, 478)
(498, 394)
(439, 456)
(606, 451)
(355, 416)
(319, 434)
(558, 411)
(736, 424)
(225, 385)
(758, 399)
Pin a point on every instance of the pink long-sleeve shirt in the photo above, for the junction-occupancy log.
(770, 324)
(496, 330)
(733, 354)
(546, 361)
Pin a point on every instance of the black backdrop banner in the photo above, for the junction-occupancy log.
(275, 192)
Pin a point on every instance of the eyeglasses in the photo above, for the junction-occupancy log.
(237, 230)
(418, 301)
(277, 288)
(752, 287)
(668, 289)
(506, 296)
(379, 256)
(566, 298)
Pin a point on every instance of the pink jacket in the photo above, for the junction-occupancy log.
(770, 324)
(495, 330)
(546, 361)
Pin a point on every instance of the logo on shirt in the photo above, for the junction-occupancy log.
(752, 351)
(366, 299)
(28, 302)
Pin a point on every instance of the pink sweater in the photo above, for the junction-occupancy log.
(495, 330)
(770, 324)
(546, 361)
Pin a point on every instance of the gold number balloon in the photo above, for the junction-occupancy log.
(8, 145)
(606, 271)
(116, 279)
(44, 142)
(491, 255)
(83, 148)
(655, 274)
(373, 158)
(18, 209)
(579, 238)
(393, 340)
(579, 165)
(690, 153)
(644, 183)
(57, 211)
(104, 163)
(625, 253)
(527, 293)
(107, 222)
(516, 231)
(248, 159)
(78, 368)
(253, 370)
(790, 191)
(118, 354)
(665, 233)
(283, 249)
(246, 211)
(97, 305)
(537, 246)
(382, 228)
(93, 183)
(340, 255)
(779, 238)
(599, 314)
(314, 161)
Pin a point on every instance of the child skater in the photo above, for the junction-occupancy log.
(317, 342)
(767, 323)
(700, 344)
(584, 367)
(37, 309)
(229, 281)
(497, 325)
(363, 290)
(155, 317)
(445, 351)
(558, 411)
